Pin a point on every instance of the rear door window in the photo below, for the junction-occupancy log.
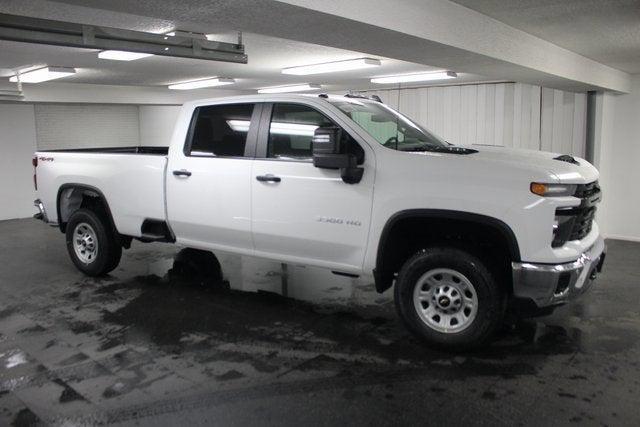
(220, 131)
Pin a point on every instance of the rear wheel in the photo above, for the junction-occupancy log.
(449, 298)
(92, 243)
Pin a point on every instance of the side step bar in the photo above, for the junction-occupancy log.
(154, 230)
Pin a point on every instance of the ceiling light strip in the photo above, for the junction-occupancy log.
(292, 88)
(331, 67)
(122, 55)
(418, 77)
(43, 74)
(203, 83)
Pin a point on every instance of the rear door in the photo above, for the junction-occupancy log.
(300, 212)
(209, 181)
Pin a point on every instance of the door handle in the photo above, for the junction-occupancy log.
(182, 172)
(268, 178)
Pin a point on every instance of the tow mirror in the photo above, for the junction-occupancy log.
(328, 154)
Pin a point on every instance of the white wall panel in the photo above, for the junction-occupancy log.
(579, 124)
(534, 130)
(506, 114)
(481, 112)
(490, 114)
(563, 126)
(17, 145)
(499, 115)
(519, 113)
(156, 124)
(86, 126)
(617, 137)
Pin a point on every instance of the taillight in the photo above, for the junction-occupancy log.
(34, 162)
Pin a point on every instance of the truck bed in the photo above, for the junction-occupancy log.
(131, 179)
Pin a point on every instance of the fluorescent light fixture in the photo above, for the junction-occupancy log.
(292, 129)
(197, 84)
(239, 125)
(330, 67)
(43, 74)
(278, 128)
(122, 55)
(420, 77)
(294, 88)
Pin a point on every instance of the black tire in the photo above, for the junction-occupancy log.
(490, 297)
(109, 250)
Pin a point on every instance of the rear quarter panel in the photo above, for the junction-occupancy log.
(133, 184)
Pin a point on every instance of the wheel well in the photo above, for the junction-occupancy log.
(406, 233)
(74, 197)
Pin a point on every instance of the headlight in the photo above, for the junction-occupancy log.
(553, 190)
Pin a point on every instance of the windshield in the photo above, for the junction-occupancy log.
(388, 127)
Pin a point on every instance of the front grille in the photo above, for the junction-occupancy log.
(583, 222)
(575, 223)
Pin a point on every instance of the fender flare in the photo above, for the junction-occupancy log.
(383, 283)
(83, 187)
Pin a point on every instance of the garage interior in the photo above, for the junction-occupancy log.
(153, 344)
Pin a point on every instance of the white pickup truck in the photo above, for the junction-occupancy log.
(348, 184)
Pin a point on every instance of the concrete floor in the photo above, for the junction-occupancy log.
(144, 347)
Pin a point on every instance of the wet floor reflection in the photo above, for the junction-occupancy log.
(189, 295)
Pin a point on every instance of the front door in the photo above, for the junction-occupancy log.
(209, 182)
(300, 212)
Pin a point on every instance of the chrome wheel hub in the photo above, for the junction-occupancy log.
(445, 300)
(85, 243)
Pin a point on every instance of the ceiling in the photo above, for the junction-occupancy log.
(607, 31)
(267, 56)
(314, 32)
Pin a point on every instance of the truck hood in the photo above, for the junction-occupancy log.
(565, 171)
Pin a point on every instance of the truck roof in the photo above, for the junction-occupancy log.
(276, 97)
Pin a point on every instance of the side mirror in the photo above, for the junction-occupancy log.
(327, 154)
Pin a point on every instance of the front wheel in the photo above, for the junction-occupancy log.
(448, 298)
(92, 243)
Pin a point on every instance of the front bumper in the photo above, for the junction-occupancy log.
(552, 284)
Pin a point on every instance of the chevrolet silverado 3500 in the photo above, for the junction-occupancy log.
(348, 184)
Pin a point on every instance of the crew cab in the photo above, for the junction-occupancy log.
(348, 184)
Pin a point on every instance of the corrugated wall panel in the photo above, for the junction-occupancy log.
(509, 96)
(86, 126)
(490, 114)
(534, 131)
(499, 115)
(579, 124)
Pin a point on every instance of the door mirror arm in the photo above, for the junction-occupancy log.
(352, 174)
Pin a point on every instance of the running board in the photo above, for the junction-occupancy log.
(147, 238)
(154, 230)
